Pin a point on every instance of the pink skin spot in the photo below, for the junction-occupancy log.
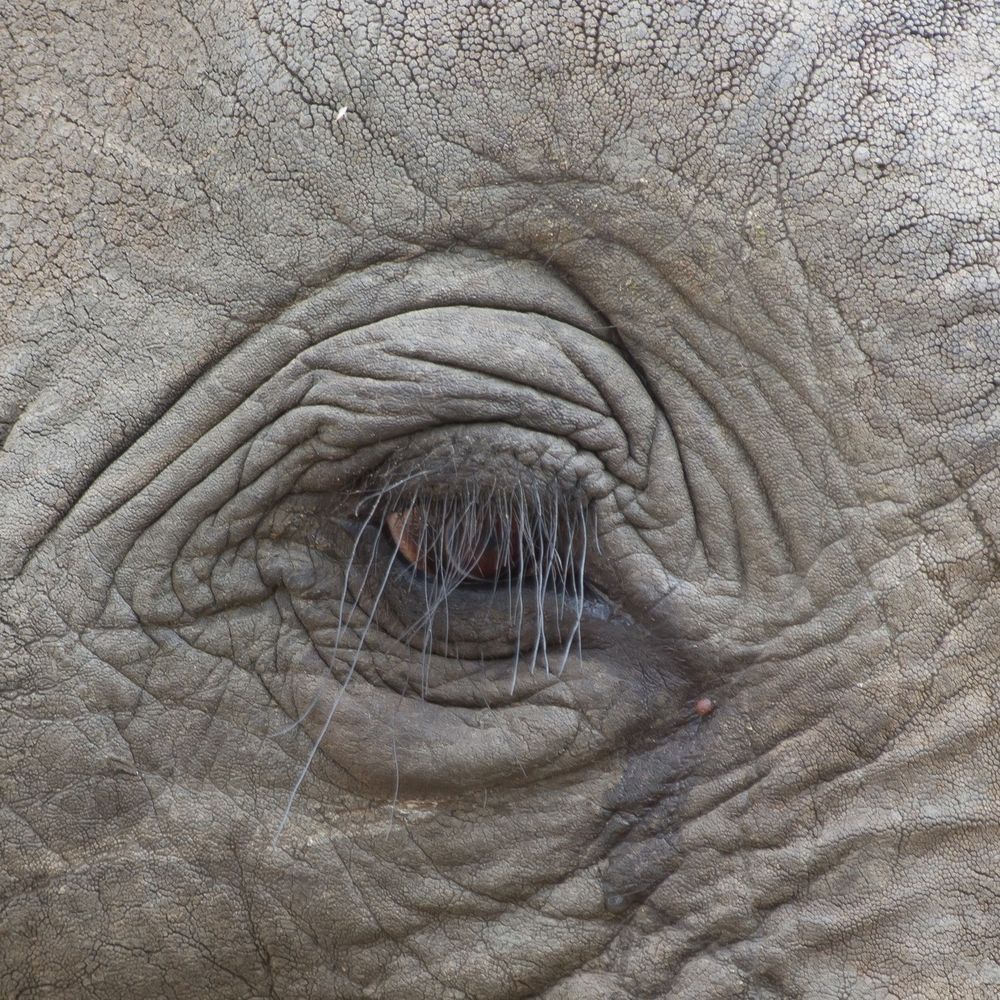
(704, 707)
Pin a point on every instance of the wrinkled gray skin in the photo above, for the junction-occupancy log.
(729, 270)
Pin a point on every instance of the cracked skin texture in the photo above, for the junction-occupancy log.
(751, 248)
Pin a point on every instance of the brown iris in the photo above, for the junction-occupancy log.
(466, 546)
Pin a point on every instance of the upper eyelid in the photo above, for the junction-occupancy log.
(314, 388)
(195, 467)
(350, 301)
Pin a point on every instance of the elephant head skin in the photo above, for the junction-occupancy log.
(500, 500)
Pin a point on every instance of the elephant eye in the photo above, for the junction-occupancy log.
(473, 571)
(465, 544)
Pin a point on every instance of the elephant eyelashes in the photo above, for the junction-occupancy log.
(490, 537)
(465, 574)
(485, 571)
(467, 544)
